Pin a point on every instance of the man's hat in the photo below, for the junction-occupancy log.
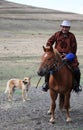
(65, 23)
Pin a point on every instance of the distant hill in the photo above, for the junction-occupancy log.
(28, 17)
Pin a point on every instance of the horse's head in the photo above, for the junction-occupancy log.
(47, 61)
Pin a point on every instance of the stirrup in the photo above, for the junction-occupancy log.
(78, 89)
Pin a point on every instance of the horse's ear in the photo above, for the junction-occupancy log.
(51, 48)
(44, 48)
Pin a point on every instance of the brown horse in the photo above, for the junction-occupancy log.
(60, 80)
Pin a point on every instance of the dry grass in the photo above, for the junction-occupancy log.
(23, 32)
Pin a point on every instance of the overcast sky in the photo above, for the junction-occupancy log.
(75, 6)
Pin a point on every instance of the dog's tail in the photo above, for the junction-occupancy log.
(7, 88)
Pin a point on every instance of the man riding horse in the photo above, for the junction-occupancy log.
(65, 42)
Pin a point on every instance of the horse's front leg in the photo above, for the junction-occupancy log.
(53, 95)
(67, 105)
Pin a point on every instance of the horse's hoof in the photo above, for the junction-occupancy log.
(69, 120)
(9, 100)
(51, 120)
(70, 109)
(24, 100)
(49, 112)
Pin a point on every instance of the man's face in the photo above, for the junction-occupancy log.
(65, 29)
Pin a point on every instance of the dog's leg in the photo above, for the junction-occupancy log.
(10, 95)
(23, 95)
(26, 94)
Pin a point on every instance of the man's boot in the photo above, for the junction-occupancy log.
(77, 87)
(45, 86)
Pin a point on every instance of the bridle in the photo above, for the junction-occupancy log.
(54, 67)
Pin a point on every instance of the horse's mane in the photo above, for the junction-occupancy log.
(57, 54)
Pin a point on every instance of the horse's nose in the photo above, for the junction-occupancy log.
(40, 73)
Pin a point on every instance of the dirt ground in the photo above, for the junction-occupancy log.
(32, 114)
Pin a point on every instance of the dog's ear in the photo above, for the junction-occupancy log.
(24, 80)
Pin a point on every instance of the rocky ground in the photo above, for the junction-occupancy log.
(32, 114)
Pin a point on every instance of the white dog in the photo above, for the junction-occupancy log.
(17, 83)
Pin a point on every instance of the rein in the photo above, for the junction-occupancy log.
(56, 68)
(38, 82)
(59, 67)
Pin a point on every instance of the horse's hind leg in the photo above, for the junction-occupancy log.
(53, 95)
(61, 101)
(67, 105)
